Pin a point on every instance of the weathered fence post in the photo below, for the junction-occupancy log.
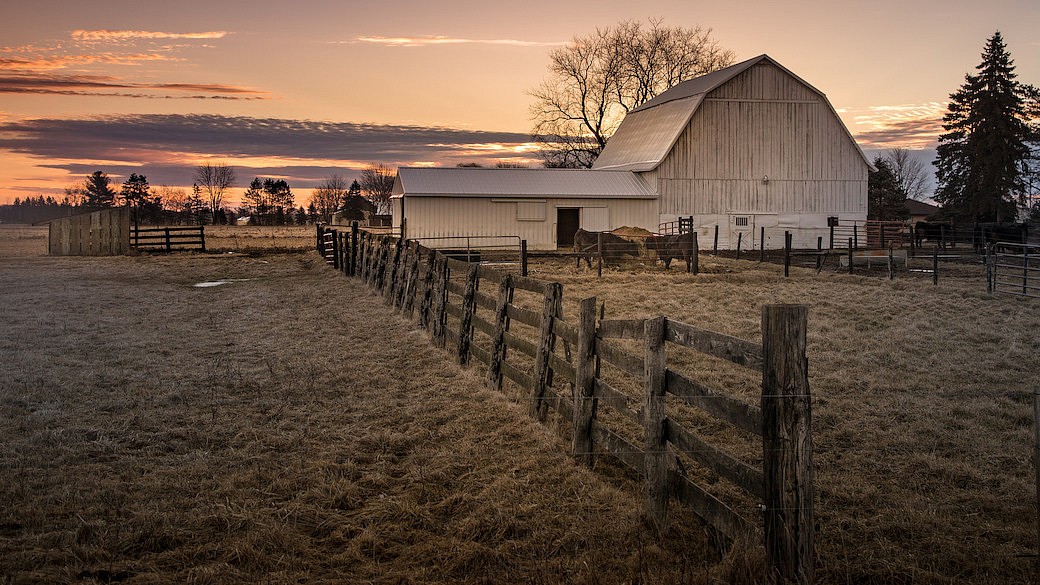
(740, 241)
(318, 243)
(440, 319)
(762, 245)
(691, 257)
(584, 382)
(546, 343)
(390, 273)
(855, 236)
(715, 248)
(498, 341)
(696, 255)
(891, 263)
(202, 238)
(427, 291)
(1025, 269)
(523, 257)
(654, 421)
(819, 254)
(353, 248)
(168, 246)
(786, 253)
(469, 306)
(413, 280)
(335, 250)
(787, 444)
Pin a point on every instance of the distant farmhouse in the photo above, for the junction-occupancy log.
(745, 147)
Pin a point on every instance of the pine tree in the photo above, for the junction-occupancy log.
(983, 157)
(886, 197)
(98, 190)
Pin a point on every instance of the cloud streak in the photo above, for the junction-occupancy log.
(905, 125)
(428, 41)
(166, 147)
(105, 84)
(124, 35)
(64, 61)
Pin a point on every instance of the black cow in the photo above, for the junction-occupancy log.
(670, 247)
(614, 246)
(992, 233)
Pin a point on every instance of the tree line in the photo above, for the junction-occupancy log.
(266, 201)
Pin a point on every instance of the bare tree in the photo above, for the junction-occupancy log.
(329, 195)
(910, 172)
(214, 179)
(596, 79)
(377, 183)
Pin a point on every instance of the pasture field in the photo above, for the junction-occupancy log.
(289, 427)
(284, 427)
(19, 240)
(922, 407)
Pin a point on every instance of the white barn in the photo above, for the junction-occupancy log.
(746, 147)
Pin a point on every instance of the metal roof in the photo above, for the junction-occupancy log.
(520, 183)
(666, 116)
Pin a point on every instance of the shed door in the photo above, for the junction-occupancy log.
(567, 221)
(742, 228)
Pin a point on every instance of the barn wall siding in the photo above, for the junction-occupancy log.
(436, 217)
(763, 142)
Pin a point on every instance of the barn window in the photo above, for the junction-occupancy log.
(530, 210)
(740, 221)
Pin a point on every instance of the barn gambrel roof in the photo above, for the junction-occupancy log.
(520, 183)
(648, 133)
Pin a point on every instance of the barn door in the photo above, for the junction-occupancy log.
(742, 228)
(567, 222)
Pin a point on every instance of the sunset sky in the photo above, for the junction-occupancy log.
(300, 90)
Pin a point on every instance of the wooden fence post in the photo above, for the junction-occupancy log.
(440, 318)
(168, 247)
(654, 421)
(498, 341)
(696, 255)
(202, 238)
(353, 248)
(403, 272)
(427, 291)
(850, 255)
(335, 250)
(935, 266)
(546, 343)
(393, 257)
(584, 382)
(523, 257)
(413, 280)
(787, 444)
(787, 254)
(891, 263)
(1036, 460)
(740, 241)
(762, 243)
(318, 237)
(715, 247)
(469, 306)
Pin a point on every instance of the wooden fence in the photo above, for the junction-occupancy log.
(414, 279)
(169, 238)
(99, 233)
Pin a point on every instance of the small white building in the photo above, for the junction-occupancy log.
(743, 148)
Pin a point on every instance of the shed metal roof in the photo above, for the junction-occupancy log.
(520, 183)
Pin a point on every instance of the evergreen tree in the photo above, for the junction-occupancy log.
(983, 157)
(98, 190)
(886, 197)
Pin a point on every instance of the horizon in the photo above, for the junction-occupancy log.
(157, 93)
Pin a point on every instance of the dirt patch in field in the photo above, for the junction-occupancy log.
(285, 427)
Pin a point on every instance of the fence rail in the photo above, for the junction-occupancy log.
(1014, 269)
(168, 238)
(456, 300)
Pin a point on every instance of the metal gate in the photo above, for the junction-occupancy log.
(1015, 269)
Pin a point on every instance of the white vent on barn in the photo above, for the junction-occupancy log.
(740, 221)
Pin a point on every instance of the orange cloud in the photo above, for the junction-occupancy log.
(911, 126)
(122, 35)
(63, 61)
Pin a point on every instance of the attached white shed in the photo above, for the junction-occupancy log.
(543, 206)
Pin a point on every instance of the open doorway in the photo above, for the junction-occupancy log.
(567, 221)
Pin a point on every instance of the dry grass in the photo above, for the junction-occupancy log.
(922, 408)
(282, 428)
